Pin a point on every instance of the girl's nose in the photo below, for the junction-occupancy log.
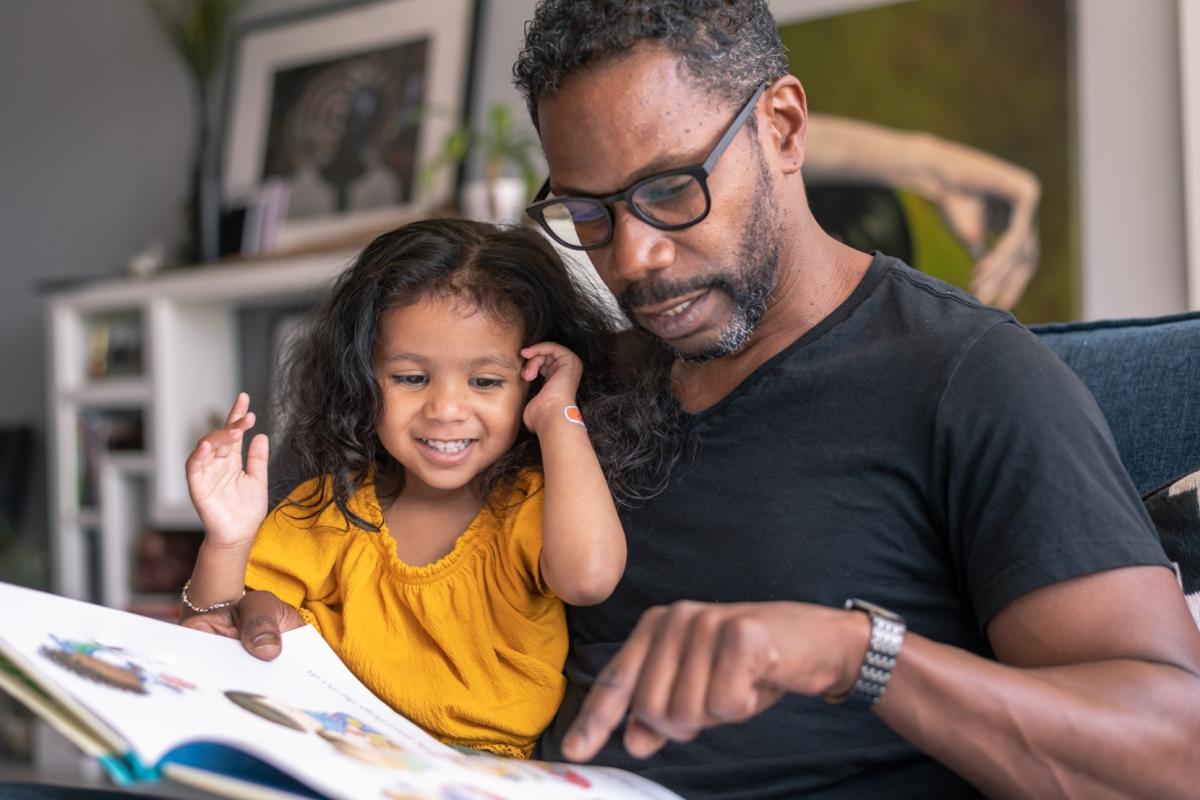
(446, 403)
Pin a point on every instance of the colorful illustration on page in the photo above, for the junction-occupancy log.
(461, 791)
(454, 791)
(519, 770)
(112, 666)
(347, 734)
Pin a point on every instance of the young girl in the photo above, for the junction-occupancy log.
(458, 500)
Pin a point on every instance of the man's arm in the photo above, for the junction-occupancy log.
(1097, 695)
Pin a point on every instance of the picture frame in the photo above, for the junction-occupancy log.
(1189, 84)
(955, 155)
(343, 104)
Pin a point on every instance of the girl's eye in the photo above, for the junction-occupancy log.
(414, 381)
(486, 383)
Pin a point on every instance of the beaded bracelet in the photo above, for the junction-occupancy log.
(183, 595)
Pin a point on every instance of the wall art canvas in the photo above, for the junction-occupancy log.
(941, 132)
(342, 106)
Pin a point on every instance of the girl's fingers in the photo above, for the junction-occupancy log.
(199, 457)
(240, 405)
(548, 358)
(242, 423)
(532, 367)
(545, 348)
(225, 441)
(256, 457)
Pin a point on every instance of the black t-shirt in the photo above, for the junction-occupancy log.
(916, 449)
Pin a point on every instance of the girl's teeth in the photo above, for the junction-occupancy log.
(677, 310)
(443, 446)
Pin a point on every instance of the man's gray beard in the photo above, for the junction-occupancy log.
(749, 290)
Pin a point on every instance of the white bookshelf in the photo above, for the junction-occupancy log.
(189, 366)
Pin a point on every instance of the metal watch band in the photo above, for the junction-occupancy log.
(887, 637)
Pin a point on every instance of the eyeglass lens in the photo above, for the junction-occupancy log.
(670, 200)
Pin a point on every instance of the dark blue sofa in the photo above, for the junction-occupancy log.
(1145, 375)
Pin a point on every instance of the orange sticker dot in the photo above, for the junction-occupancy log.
(572, 414)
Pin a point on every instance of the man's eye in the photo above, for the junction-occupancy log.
(410, 380)
(666, 189)
(487, 383)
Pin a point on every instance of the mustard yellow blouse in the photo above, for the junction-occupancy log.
(471, 647)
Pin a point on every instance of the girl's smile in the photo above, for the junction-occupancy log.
(447, 452)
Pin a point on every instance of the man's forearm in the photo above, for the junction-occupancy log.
(1120, 728)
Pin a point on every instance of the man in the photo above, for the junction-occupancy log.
(861, 431)
(858, 432)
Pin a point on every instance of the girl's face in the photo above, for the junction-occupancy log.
(452, 391)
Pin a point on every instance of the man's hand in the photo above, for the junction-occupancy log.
(692, 666)
(257, 619)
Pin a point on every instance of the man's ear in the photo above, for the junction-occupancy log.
(786, 121)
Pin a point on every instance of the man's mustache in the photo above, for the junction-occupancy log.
(645, 293)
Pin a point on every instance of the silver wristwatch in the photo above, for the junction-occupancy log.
(887, 637)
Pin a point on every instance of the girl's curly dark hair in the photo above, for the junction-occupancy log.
(728, 46)
(331, 399)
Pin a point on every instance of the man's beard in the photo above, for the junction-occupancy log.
(749, 289)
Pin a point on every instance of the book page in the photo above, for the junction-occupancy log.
(180, 696)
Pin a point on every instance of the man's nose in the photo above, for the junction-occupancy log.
(637, 248)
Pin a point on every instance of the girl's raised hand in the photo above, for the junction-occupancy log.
(232, 501)
(562, 370)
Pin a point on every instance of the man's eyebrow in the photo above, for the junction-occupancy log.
(661, 163)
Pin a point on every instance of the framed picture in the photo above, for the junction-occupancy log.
(1189, 79)
(941, 132)
(341, 106)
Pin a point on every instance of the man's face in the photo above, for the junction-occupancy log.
(701, 290)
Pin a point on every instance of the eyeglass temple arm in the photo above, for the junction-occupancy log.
(733, 128)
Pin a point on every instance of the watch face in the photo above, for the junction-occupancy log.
(872, 609)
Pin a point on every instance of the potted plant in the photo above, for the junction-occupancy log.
(199, 31)
(509, 159)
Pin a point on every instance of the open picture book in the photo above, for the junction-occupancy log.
(155, 701)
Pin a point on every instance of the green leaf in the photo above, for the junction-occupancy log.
(199, 31)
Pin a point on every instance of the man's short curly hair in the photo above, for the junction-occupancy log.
(729, 46)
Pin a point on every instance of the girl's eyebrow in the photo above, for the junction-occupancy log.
(496, 359)
(404, 357)
(490, 359)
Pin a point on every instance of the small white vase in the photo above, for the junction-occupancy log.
(509, 200)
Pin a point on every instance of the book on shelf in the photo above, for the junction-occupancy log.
(251, 227)
(154, 701)
(114, 345)
(103, 431)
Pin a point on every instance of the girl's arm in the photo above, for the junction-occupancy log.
(232, 503)
(583, 544)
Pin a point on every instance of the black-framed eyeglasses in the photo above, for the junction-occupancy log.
(671, 200)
